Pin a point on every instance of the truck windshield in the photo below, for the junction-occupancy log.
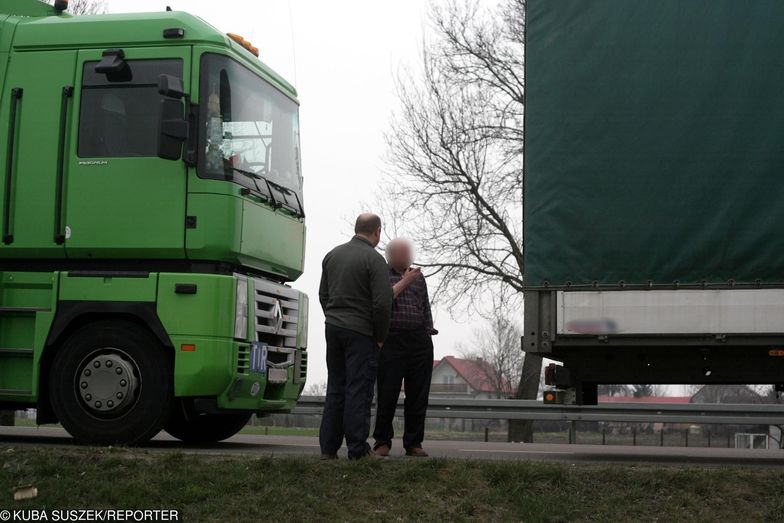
(249, 129)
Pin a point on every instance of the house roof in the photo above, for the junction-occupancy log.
(644, 399)
(477, 373)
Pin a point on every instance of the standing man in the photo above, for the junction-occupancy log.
(356, 298)
(407, 354)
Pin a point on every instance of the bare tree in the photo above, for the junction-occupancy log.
(85, 7)
(316, 389)
(497, 345)
(455, 154)
(613, 390)
(644, 391)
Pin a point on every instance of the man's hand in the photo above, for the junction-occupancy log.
(411, 274)
(408, 278)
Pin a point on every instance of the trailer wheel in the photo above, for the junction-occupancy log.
(111, 383)
(188, 425)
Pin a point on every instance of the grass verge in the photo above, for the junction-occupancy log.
(226, 488)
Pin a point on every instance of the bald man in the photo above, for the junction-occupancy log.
(357, 300)
(407, 355)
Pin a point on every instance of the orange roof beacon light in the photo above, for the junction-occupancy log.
(244, 43)
(188, 347)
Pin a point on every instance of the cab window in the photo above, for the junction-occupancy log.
(119, 113)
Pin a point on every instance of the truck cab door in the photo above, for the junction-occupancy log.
(122, 201)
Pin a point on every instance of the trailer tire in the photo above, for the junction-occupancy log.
(187, 425)
(111, 383)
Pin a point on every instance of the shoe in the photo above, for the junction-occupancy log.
(370, 455)
(382, 450)
(328, 457)
(416, 452)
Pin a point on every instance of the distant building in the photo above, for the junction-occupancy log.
(467, 378)
(729, 394)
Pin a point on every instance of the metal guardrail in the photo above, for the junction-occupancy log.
(690, 413)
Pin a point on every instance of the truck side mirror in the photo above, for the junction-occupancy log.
(114, 66)
(172, 129)
(170, 86)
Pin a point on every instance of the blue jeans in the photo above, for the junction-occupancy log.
(352, 364)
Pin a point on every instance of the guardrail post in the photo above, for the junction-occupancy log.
(604, 432)
(487, 434)
(661, 436)
(709, 439)
(634, 436)
(572, 432)
(686, 436)
(729, 436)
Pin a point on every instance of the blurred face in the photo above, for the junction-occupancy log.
(400, 254)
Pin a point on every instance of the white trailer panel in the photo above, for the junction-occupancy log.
(732, 311)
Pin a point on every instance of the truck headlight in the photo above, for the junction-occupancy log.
(241, 310)
(302, 325)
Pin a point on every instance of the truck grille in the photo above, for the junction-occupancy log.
(243, 359)
(276, 314)
(303, 366)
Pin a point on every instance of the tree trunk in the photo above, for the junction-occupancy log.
(523, 430)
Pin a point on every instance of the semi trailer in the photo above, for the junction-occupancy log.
(654, 192)
(152, 216)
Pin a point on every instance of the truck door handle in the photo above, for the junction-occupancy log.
(8, 237)
(59, 233)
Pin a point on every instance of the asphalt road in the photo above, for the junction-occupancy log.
(299, 445)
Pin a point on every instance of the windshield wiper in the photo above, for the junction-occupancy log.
(285, 191)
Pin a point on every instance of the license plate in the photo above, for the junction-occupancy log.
(277, 376)
(258, 358)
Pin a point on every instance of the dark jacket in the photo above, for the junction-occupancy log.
(355, 292)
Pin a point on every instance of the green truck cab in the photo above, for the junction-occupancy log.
(151, 211)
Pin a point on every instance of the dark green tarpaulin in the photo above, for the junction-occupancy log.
(654, 141)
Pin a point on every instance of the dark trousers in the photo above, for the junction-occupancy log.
(352, 363)
(407, 356)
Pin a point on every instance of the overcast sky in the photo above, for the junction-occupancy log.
(341, 56)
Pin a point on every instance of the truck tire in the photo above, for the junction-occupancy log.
(111, 383)
(187, 425)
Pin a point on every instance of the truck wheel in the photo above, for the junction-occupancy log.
(111, 383)
(187, 425)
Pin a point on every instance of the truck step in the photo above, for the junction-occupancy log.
(23, 309)
(15, 392)
(10, 350)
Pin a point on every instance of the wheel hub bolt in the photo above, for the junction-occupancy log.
(119, 370)
(119, 395)
(108, 363)
(88, 397)
(110, 404)
(98, 404)
(123, 383)
(84, 384)
(87, 372)
(96, 364)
